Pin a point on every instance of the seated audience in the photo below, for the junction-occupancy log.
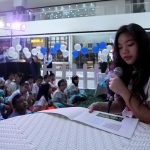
(23, 90)
(36, 85)
(43, 98)
(19, 106)
(5, 110)
(59, 98)
(2, 88)
(46, 79)
(9, 80)
(73, 92)
(52, 81)
(30, 82)
(14, 85)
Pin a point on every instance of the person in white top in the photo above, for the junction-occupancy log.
(132, 89)
(36, 85)
(9, 80)
(23, 90)
(43, 97)
(59, 98)
(30, 81)
(52, 81)
(48, 59)
(14, 85)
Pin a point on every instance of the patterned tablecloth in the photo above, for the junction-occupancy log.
(42, 131)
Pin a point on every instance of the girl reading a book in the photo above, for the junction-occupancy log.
(132, 89)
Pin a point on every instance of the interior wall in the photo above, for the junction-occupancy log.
(82, 24)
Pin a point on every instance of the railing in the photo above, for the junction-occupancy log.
(81, 10)
(88, 78)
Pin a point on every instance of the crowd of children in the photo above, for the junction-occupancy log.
(19, 97)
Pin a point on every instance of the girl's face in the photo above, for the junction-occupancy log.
(63, 86)
(128, 48)
(76, 80)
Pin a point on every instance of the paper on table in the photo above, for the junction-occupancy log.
(119, 125)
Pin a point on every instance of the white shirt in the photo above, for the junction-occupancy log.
(48, 60)
(41, 102)
(18, 92)
(35, 89)
(129, 113)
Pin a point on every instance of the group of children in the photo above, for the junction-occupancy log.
(20, 98)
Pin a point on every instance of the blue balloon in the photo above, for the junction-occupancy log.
(84, 50)
(75, 53)
(43, 50)
(102, 45)
(57, 46)
(95, 49)
(53, 51)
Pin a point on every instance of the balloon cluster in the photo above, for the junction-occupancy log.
(13, 52)
(61, 47)
(102, 46)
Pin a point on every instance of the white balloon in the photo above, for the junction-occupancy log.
(34, 51)
(105, 52)
(38, 49)
(77, 47)
(63, 47)
(109, 47)
(27, 54)
(65, 53)
(18, 47)
(11, 49)
(40, 56)
(8, 52)
(13, 54)
(103, 57)
(25, 50)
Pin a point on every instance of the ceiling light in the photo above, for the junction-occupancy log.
(2, 24)
(15, 25)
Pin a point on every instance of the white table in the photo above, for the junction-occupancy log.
(42, 131)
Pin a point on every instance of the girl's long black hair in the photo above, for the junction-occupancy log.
(141, 72)
(43, 91)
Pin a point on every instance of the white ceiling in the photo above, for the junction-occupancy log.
(8, 5)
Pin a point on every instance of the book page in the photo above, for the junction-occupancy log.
(69, 112)
(105, 121)
(109, 122)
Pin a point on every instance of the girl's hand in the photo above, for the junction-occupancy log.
(117, 85)
(94, 106)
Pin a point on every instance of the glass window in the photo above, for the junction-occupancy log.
(62, 40)
(90, 40)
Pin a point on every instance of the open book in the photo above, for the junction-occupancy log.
(118, 125)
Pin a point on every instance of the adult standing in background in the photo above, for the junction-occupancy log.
(34, 66)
